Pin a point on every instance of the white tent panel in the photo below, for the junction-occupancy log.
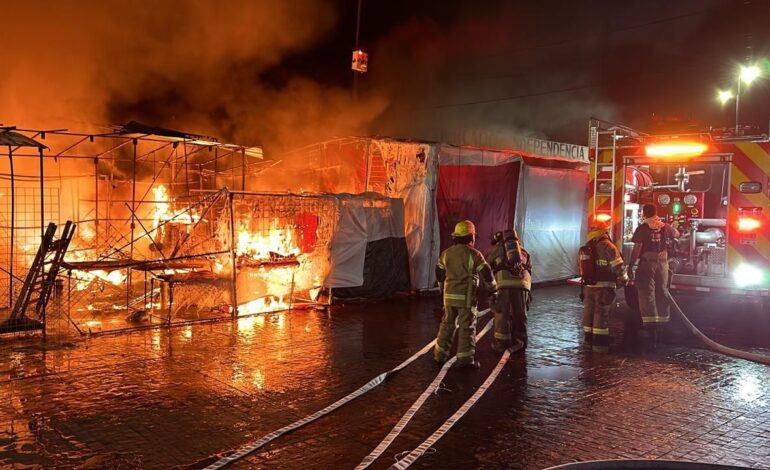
(414, 181)
(549, 216)
(363, 219)
(422, 233)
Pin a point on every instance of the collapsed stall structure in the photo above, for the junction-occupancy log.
(538, 188)
(139, 226)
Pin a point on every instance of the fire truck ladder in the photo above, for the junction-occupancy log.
(40, 280)
(605, 160)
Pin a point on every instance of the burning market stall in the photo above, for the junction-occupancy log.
(539, 188)
(166, 232)
(392, 168)
(151, 221)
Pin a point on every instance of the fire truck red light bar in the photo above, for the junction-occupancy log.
(691, 149)
(748, 224)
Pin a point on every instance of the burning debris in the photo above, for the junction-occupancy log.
(163, 236)
(164, 215)
(169, 243)
(276, 247)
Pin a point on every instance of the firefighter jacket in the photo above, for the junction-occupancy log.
(505, 277)
(608, 264)
(459, 269)
(654, 235)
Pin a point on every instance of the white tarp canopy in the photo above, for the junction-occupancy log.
(363, 219)
(412, 171)
(549, 216)
(550, 206)
(549, 200)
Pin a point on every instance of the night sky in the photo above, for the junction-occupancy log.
(277, 73)
(545, 67)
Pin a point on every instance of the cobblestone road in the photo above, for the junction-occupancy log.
(174, 398)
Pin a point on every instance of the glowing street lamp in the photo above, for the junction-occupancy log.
(749, 74)
(745, 75)
(724, 96)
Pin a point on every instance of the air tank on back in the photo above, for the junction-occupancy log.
(512, 247)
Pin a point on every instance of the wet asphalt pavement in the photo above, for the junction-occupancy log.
(175, 398)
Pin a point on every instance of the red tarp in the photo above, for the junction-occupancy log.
(484, 194)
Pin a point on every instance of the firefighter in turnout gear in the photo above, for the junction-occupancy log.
(651, 240)
(513, 273)
(602, 270)
(459, 270)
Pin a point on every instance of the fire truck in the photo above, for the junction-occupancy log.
(715, 190)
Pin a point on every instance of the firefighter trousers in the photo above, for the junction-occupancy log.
(597, 305)
(511, 319)
(466, 332)
(651, 284)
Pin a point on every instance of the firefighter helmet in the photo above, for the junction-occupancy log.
(600, 221)
(464, 228)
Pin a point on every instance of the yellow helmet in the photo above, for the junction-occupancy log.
(464, 228)
(600, 221)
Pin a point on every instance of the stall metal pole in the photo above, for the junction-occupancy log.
(13, 229)
(243, 170)
(133, 226)
(96, 199)
(42, 198)
(233, 259)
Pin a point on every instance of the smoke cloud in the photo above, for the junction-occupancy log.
(485, 75)
(464, 73)
(194, 66)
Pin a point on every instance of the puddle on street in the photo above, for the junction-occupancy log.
(555, 373)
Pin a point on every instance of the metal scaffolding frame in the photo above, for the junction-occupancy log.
(127, 164)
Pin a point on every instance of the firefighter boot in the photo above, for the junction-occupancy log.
(469, 365)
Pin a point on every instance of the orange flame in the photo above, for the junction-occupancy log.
(163, 212)
(258, 245)
(84, 278)
(266, 304)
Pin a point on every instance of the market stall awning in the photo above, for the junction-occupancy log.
(137, 129)
(14, 139)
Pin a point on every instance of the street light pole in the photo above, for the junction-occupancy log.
(746, 74)
(737, 106)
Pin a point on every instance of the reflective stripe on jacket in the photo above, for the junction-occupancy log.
(462, 265)
(609, 263)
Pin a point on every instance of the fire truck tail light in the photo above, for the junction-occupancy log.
(602, 217)
(748, 224)
(683, 149)
(746, 275)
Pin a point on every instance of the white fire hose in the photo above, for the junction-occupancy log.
(640, 464)
(250, 447)
(710, 343)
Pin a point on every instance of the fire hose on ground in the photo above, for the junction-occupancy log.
(638, 464)
(641, 464)
(710, 343)
(422, 448)
(248, 448)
